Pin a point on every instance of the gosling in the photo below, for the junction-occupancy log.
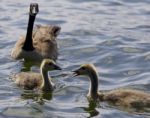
(119, 97)
(41, 81)
(38, 44)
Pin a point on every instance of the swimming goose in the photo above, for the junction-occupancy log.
(39, 44)
(120, 97)
(45, 41)
(32, 80)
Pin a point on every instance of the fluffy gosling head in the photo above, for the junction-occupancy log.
(90, 71)
(85, 69)
(34, 9)
(49, 30)
(48, 64)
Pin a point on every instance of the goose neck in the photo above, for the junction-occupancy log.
(47, 84)
(28, 44)
(93, 90)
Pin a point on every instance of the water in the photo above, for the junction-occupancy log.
(112, 34)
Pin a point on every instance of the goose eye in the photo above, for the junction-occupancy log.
(50, 64)
(83, 68)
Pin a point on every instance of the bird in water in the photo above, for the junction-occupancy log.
(127, 98)
(32, 80)
(38, 44)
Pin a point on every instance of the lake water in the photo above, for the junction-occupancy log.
(112, 34)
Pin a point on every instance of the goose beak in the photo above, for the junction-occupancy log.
(34, 8)
(57, 67)
(76, 73)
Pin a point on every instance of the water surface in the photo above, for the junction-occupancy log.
(112, 34)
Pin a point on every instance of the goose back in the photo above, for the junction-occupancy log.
(128, 98)
(28, 81)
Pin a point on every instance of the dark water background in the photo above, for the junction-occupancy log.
(112, 34)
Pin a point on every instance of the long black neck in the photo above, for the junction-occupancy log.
(28, 44)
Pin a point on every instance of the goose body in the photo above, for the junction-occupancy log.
(120, 97)
(32, 80)
(38, 44)
(127, 98)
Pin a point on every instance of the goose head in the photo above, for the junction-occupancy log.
(85, 70)
(89, 70)
(49, 30)
(48, 65)
(34, 9)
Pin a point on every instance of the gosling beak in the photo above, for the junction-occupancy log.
(34, 8)
(57, 67)
(76, 73)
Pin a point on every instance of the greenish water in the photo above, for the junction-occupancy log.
(112, 34)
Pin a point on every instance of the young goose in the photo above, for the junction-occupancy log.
(39, 44)
(120, 97)
(31, 80)
(45, 41)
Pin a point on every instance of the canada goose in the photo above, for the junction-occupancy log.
(39, 44)
(32, 80)
(120, 97)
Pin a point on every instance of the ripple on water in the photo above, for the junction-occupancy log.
(131, 50)
(114, 35)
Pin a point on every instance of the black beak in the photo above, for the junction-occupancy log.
(57, 67)
(34, 8)
(76, 73)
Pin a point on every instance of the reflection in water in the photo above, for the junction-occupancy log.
(38, 97)
(137, 110)
(28, 64)
(91, 109)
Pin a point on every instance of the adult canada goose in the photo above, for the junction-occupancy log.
(39, 44)
(120, 97)
(32, 80)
